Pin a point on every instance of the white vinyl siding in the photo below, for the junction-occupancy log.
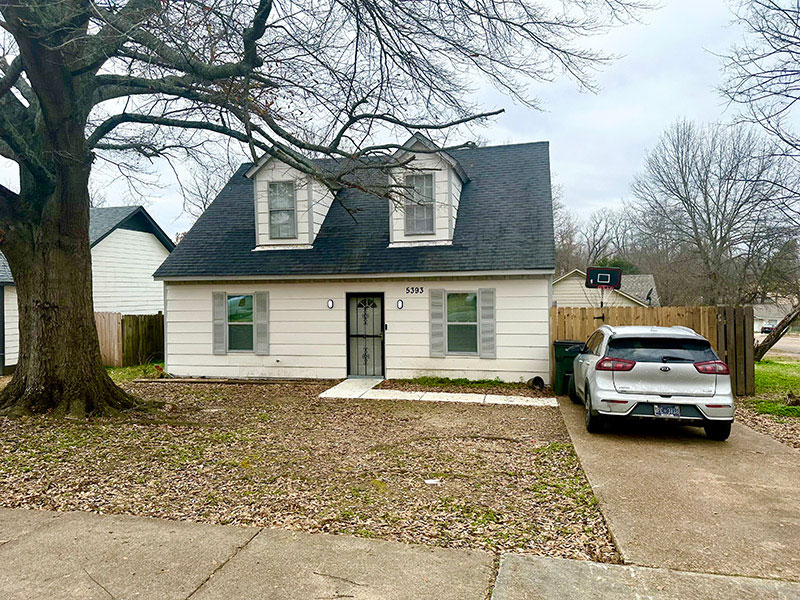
(572, 292)
(307, 339)
(11, 325)
(123, 264)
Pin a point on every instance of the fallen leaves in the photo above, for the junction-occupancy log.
(276, 455)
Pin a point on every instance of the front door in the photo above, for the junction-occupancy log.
(365, 335)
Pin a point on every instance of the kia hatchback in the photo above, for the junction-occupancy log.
(667, 373)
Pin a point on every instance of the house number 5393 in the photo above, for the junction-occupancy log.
(414, 290)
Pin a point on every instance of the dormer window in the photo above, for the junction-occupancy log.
(282, 210)
(419, 204)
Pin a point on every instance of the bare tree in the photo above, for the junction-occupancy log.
(709, 191)
(204, 183)
(763, 76)
(93, 81)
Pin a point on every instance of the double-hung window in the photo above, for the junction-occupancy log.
(462, 323)
(282, 210)
(419, 204)
(240, 322)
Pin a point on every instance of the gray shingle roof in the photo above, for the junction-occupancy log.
(103, 221)
(505, 221)
(639, 286)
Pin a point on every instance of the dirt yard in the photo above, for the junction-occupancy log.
(498, 478)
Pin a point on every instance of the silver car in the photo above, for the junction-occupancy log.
(669, 373)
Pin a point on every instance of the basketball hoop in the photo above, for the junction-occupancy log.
(603, 278)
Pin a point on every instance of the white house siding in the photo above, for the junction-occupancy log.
(313, 201)
(309, 340)
(572, 292)
(11, 324)
(444, 192)
(123, 264)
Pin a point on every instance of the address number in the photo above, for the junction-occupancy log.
(415, 290)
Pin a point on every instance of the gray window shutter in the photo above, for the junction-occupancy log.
(262, 323)
(220, 317)
(437, 318)
(486, 302)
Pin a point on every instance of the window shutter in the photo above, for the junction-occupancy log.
(220, 318)
(437, 318)
(486, 303)
(261, 319)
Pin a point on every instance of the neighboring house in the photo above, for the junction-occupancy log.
(637, 290)
(768, 314)
(127, 246)
(278, 279)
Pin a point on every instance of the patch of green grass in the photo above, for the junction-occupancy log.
(123, 374)
(776, 377)
(774, 380)
(774, 407)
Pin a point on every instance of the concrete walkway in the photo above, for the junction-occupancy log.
(362, 387)
(674, 499)
(50, 556)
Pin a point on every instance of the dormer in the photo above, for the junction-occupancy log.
(430, 181)
(289, 205)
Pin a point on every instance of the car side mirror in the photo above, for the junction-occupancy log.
(578, 348)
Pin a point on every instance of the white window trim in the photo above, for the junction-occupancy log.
(447, 351)
(408, 203)
(294, 211)
(228, 323)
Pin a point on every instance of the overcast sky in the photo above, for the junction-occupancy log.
(668, 69)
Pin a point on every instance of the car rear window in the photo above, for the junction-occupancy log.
(660, 349)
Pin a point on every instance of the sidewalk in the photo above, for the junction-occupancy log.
(362, 387)
(46, 555)
(50, 556)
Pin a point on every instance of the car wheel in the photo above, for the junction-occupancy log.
(573, 392)
(594, 422)
(718, 430)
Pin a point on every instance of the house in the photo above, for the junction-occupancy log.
(127, 246)
(769, 313)
(636, 290)
(279, 278)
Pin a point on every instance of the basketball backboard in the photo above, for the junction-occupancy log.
(604, 277)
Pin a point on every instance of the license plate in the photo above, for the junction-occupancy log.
(670, 411)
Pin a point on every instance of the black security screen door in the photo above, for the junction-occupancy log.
(365, 335)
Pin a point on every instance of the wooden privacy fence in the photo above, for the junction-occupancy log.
(728, 328)
(130, 339)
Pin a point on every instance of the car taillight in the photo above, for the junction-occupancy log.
(614, 364)
(712, 367)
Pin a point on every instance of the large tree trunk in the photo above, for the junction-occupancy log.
(59, 369)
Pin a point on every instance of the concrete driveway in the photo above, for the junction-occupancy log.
(677, 500)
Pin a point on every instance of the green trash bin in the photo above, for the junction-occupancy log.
(564, 351)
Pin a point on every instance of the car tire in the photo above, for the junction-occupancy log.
(594, 422)
(573, 392)
(718, 430)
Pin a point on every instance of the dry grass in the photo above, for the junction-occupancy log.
(276, 455)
